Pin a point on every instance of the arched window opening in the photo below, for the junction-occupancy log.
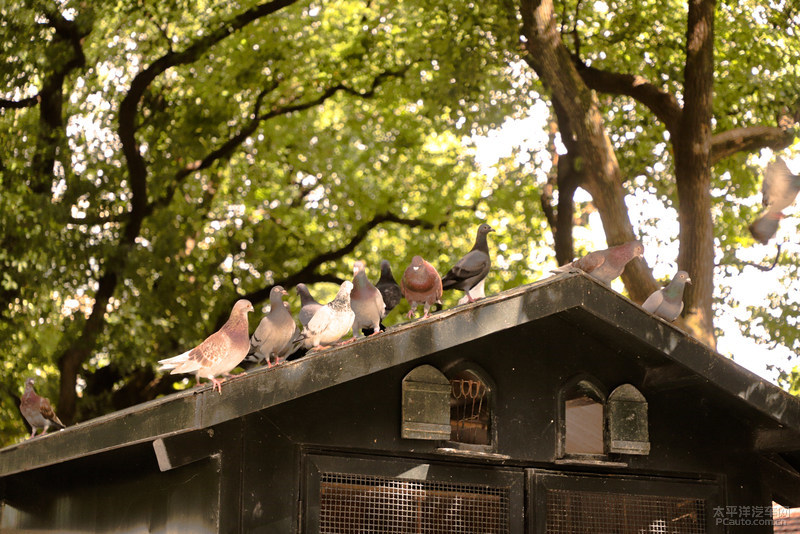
(470, 411)
(583, 419)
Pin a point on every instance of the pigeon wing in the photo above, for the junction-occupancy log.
(590, 262)
(653, 301)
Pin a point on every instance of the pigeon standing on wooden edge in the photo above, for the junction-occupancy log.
(667, 302)
(389, 288)
(605, 265)
(331, 322)
(273, 336)
(421, 284)
(219, 353)
(366, 302)
(308, 305)
(470, 270)
(37, 411)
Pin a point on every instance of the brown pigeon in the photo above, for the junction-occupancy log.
(308, 305)
(220, 352)
(778, 191)
(366, 302)
(273, 336)
(470, 270)
(331, 322)
(605, 265)
(421, 284)
(37, 411)
(390, 290)
(667, 302)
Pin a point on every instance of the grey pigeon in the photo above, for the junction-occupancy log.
(667, 302)
(308, 305)
(421, 284)
(605, 265)
(778, 191)
(390, 290)
(37, 411)
(473, 267)
(366, 302)
(331, 322)
(220, 352)
(273, 336)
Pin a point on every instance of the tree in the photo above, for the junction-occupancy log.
(682, 103)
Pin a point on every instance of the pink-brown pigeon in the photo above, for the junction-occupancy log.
(220, 353)
(421, 284)
(37, 411)
(605, 265)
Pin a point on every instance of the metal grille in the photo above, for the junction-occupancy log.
(351, 504)
(469, 412)
(582, 512)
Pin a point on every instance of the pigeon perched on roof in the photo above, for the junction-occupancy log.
(390, 290)
(778, 191)
(667, 302)
(421, 284)
(308, 305)
(473, 267)
(605, 265)
(38, 411)
(366, 302)
(331, 322)
(220, 352)
(272, 339)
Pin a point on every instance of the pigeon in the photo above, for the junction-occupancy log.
(366, 302)
(473, 267)
(778, 191)
(605, 265)
(273, 337)
(219, 353)
(667, 302)
(390, 291)
(331, 322)
(421, 284)
(37, 411)
(308, 305)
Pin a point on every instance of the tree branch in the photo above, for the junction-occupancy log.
(748, 139)
(19, 104)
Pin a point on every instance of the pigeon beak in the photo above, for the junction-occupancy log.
(688, 280)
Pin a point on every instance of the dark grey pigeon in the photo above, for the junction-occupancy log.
(220, 352)
(778, 191)
(366, 302)
(389, 288)
(667, 302)
(272, 339)
(308, 305)
(473, 267)
(605, 265)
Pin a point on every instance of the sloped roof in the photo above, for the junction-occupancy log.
(675, 358)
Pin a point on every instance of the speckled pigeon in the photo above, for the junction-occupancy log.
(308, 305)
(421, 284)
(272, 339)
(667, 302)
(220, 352)
(38, 411)
(473, 267)
(366, 302)
(390, 290)
(331, 322)
(778, 191)
(605, 265)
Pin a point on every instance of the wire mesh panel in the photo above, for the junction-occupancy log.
(351, 504)
(582, 512)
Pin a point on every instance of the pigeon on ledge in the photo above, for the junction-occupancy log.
(421, 284)
(390, 290)
(667, 302)
(37, 411)
(220, 353)
(331, 322)
(366, 302)
(273, 336)
(470, 270)
(605, 265)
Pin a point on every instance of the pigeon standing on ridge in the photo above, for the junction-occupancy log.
(605, 265)
(38, 411)
(220, 352)
(273, 336)
(667, 302)
(473, 267)
(331, 322)
(308, 305)
(778, 191)
(421, 284)
(366, 302)
(390, 290)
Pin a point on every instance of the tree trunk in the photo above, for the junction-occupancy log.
(693, 172)
(596, 159)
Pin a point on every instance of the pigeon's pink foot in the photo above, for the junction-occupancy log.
(470, 299)
(345, 342)
(410, 314)
(217, 385)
